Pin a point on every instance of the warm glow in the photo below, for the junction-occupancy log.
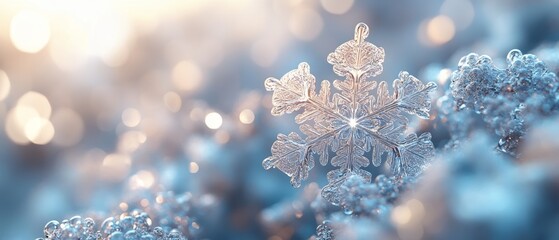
(29, 121)
(36, 101)
(69, 45)
(336, 6)
(401, 215)
(123, 206)
(130, 141)
(246, 116)
(142, 179)
(5, 85)
(440, 30)
(444, 75)
(187, 76)
(131, 117)
(16, 120)
(115, 167)
(213, 120)
(221, 136)
(39, 130)
(194, 167)
(110, 39)
(29, 31)
(305, 24)
(172, 101)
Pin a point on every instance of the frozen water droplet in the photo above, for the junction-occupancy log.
(52, 229)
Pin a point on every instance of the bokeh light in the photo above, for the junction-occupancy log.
(213, 120)
(28, 121)
(37, 102)
(187, 76)
(194, 168)
(172, 101)
(131, 117)
(39, 130)
(5, 85)
(336, 6)
(246, 116)
(440, 30)
(115, 167)
(29, 31)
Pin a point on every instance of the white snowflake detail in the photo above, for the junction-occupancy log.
(352, 122)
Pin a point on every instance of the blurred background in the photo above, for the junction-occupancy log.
(101, 100)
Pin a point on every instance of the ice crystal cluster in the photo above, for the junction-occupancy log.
(136, 226)
(509, 100)
(356, 125)
(360, 197)
(170, 217)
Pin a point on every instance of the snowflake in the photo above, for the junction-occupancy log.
(352, 122)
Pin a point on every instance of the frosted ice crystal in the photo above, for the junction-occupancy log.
(353, 121)
(324, 231)
(361, 197)
(136, 226)
(169, 217)
(509, 100)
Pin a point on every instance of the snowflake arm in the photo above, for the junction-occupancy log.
(353, 122)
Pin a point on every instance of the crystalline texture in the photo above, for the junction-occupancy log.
(352, 121)
(509, 100)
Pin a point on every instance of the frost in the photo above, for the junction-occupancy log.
(509, 100)
(131, 227)
(352, 122)
(169, 217)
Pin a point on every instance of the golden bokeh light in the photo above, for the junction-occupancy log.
(115, 167)
(130, 141)
(187, 76)
(142, 179)
(246, 116)
(39, 130)
(401, 215)
(440, 30)
(131, 117)
(213, 120)
(221, 136)
(172, 101)
(69, 46)
(194, 168)
(336, 6)
(29, 31)
(28, 121)
(110, 39)
(5, 85)
(16, 120)
(37, 102)
(444, 75)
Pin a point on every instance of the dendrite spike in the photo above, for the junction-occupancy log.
(361, 32)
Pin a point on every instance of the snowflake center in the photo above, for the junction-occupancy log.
(352, 123)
